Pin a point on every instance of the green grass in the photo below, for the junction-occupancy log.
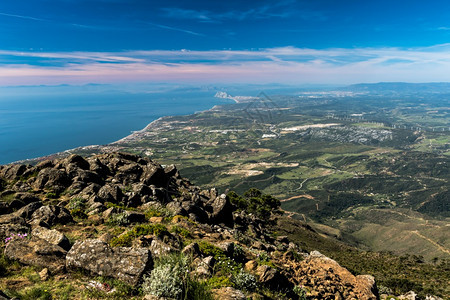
(126, 239)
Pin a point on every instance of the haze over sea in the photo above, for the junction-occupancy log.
(38, 121)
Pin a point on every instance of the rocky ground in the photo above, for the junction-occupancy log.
(121, 226)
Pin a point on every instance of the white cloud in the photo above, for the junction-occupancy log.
(21, 17)
(281, 65)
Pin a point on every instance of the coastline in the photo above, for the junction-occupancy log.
(110, 147)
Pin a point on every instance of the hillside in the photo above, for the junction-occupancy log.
(368, 168)
(118, 225)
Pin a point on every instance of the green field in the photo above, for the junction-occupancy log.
(355, 163)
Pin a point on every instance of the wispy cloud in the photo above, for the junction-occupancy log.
(282, 65)
(59, 23)
(190, 14)
(21, 17)
(280, 9)
(175, 29)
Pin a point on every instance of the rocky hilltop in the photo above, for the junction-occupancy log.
(121, 226)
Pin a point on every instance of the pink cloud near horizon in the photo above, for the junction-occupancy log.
(278, 65)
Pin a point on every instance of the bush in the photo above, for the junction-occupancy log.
(51, 195)
(164, 281)
(264, 259)
(224, 265)
(255, 202)
(181, 231)
(197, 290)
(300, 292)
(245, 281)
(216, 282)
(402, 285)
(168, 278)
(158, 211)
(119, 219)
(77, 207)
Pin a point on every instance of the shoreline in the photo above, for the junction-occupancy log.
(129, 137)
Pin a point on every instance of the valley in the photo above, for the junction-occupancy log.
(367, 165)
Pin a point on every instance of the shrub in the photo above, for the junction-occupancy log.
(255, 202)
(402, 285)
(168, 278)
(119, 206)
(224, 265)
(300, 292)
(181, 231)
(119, 219)
(217, 282)
(51, 195)
(197, 290)
(209, 249)
(78, 213)
(164, 281)
(77, 207)
(245, 281)
(158, 211)
(238, 253)
(241, 237)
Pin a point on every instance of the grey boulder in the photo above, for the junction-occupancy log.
(124, 263)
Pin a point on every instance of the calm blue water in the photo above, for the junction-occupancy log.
(35, 123)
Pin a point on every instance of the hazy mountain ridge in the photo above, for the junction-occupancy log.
(400, 87)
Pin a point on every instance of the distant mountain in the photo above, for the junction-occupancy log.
(399, 87)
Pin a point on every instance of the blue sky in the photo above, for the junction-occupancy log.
(294, 42)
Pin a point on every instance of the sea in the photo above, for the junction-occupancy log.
(38, 121)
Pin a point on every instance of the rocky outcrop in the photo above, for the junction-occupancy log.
(126, 200)
(324, 278)
(37, 252)
(124, 263)
(8, 230)
(51, 215)
(52, 236)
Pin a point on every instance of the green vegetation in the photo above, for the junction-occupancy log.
(328, 173)
(224, 265)
(368, 169)
(170, 278)
(7, 265)
(77, 208)
(119, 219)
(183, 232)
(300, 292)
(397, 273)
(34, 293)
(2, 185)
(158, 211)
(8, 197)
(125, 239)
(52, 195)
(245, 281)
(255, 202)
(118, 206)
